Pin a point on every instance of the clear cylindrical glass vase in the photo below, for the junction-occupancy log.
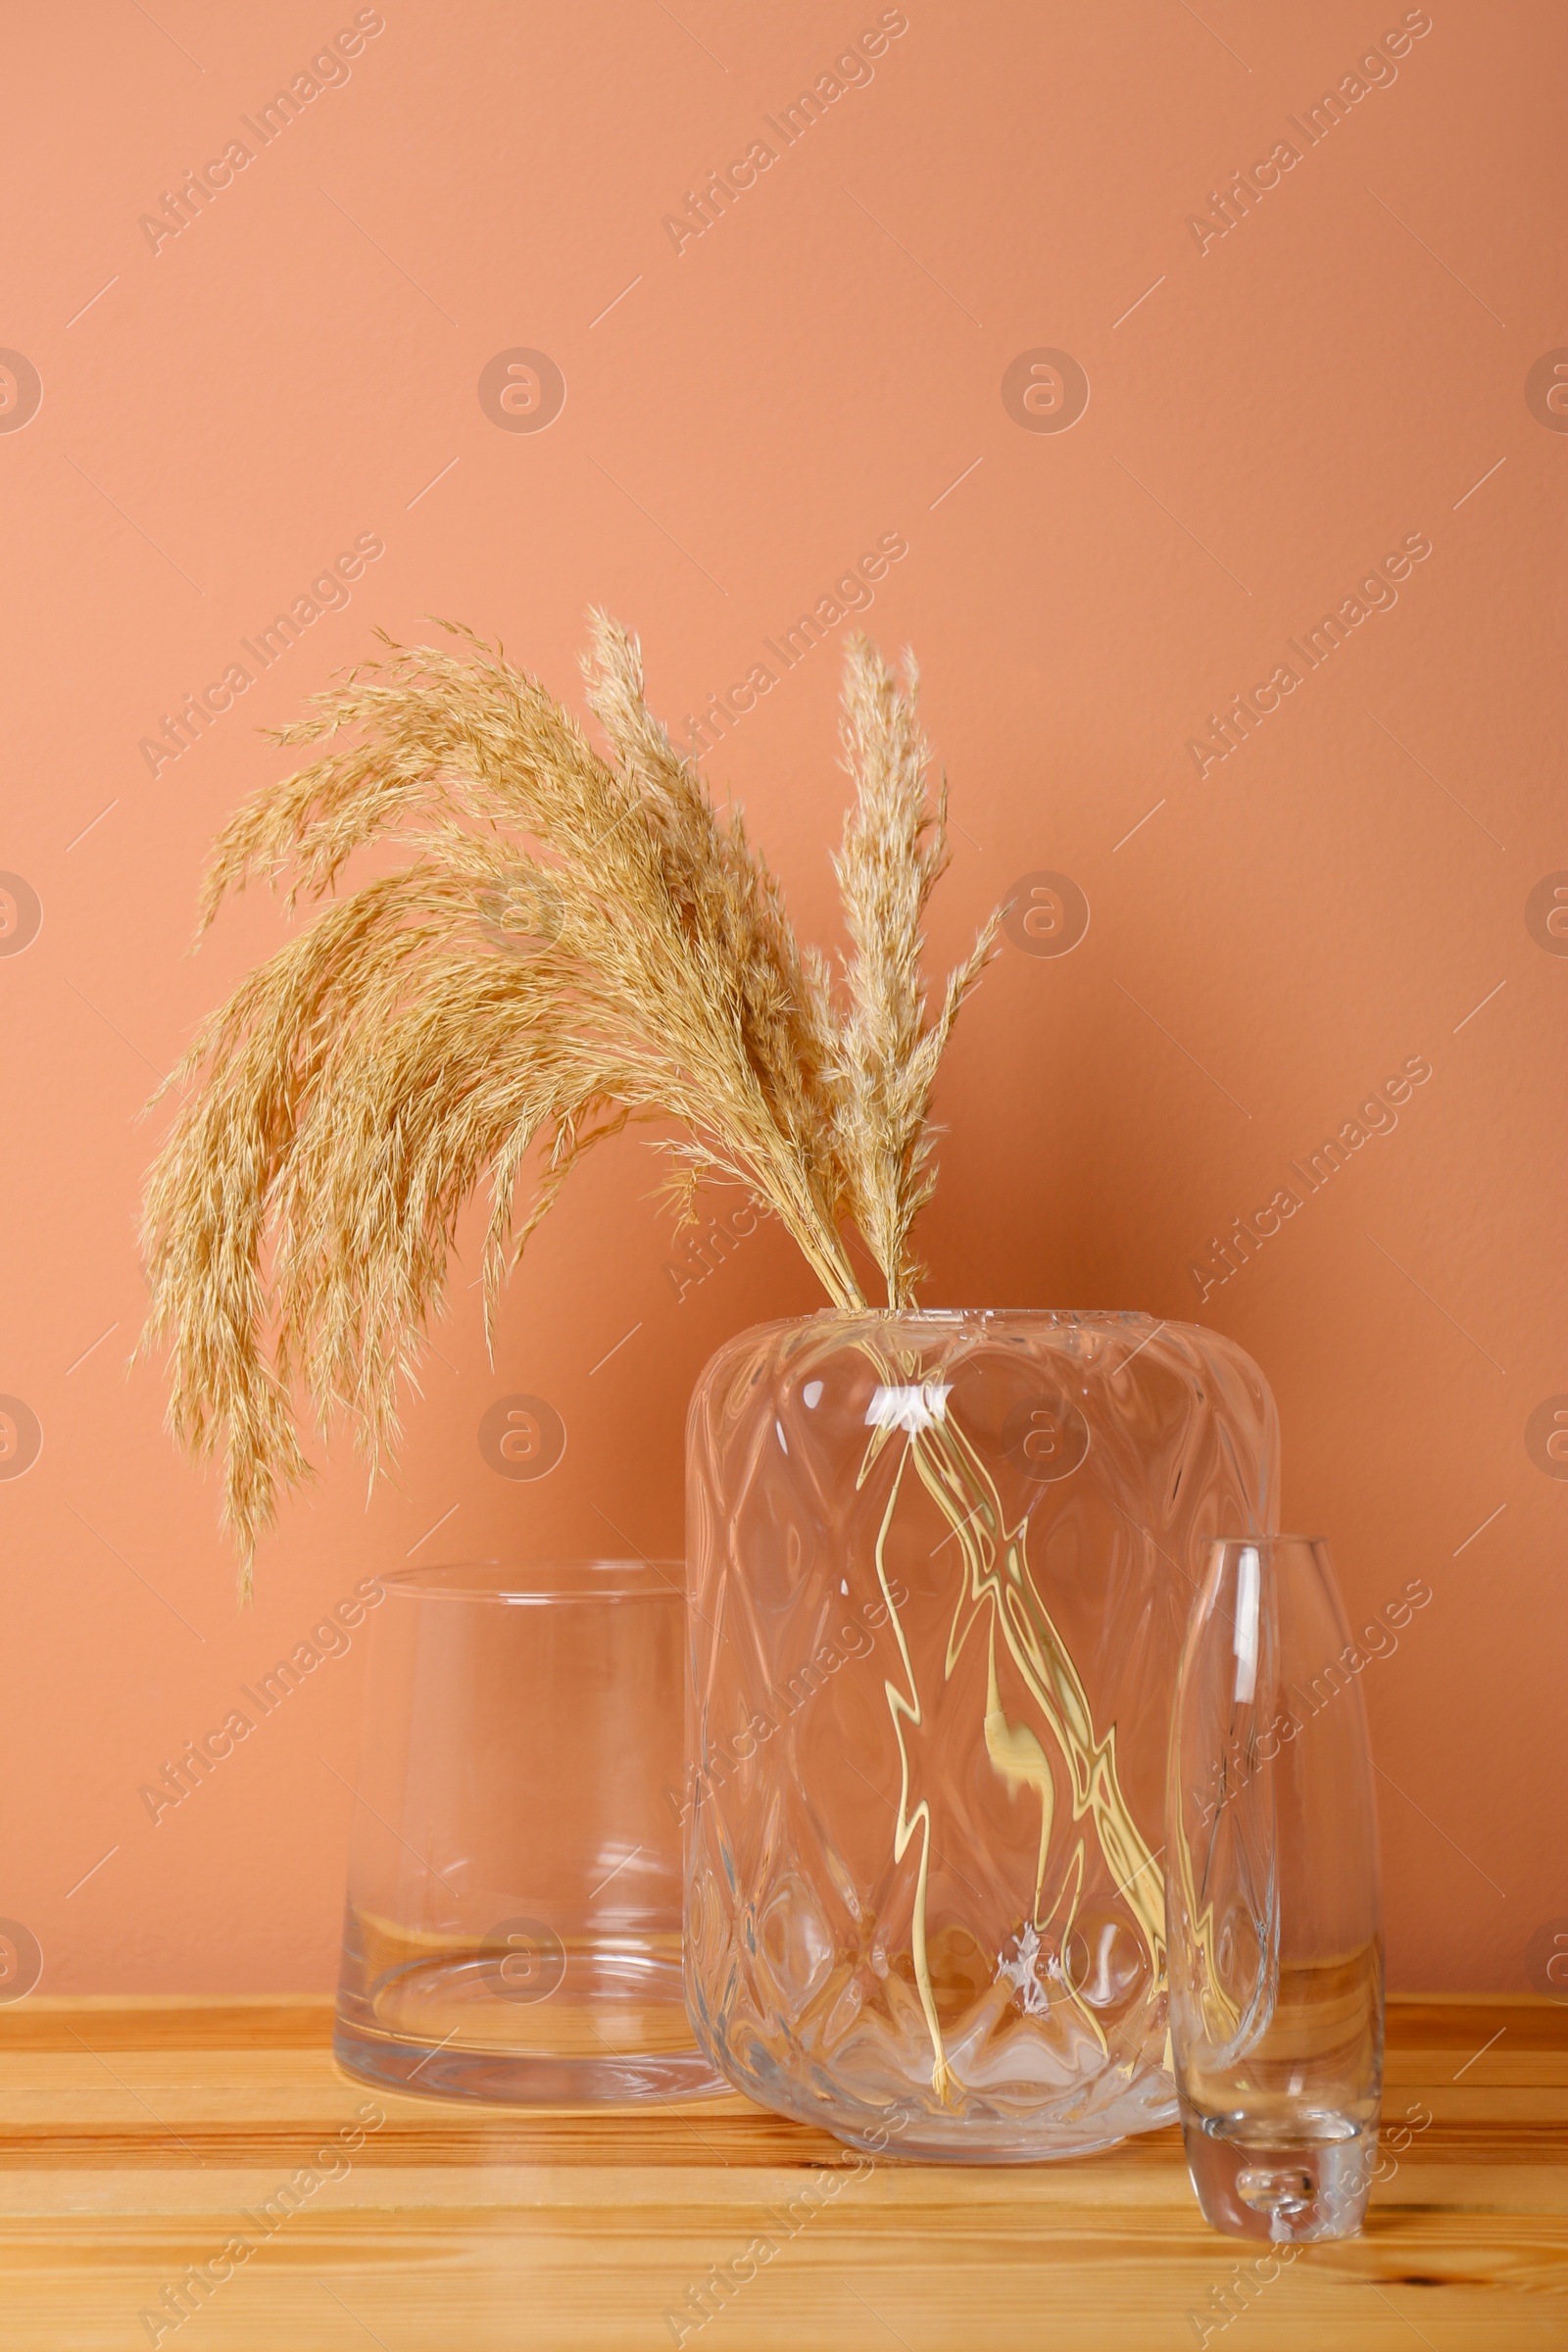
(513, 1928)
(1272, 1898)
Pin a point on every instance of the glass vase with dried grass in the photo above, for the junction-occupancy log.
(937, 1562)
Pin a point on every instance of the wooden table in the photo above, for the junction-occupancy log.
(136, 2135)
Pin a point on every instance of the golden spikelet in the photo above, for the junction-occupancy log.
(895, 849)
(575, 941)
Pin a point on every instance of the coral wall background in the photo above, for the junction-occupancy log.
(465, 327)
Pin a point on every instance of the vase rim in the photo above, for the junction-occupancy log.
(970, 1314)
(1267, 1542)
(539, 1583)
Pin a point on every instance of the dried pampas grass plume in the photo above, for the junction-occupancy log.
(574, 942)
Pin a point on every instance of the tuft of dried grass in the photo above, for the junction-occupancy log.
(894, 851)
(576, 940)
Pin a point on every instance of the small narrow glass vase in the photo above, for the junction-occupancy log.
(1273, 1916)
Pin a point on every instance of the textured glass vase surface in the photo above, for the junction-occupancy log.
(1276, 1952)
(939, 1568)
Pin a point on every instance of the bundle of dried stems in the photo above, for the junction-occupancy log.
(578, 940)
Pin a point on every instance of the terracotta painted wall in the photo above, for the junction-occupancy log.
(1362, 363)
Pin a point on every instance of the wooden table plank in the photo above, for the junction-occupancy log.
(136, 2133)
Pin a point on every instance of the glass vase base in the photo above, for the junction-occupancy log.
(1295, 2187)
(509, 2079)
(971, 2135)
(534, 2023)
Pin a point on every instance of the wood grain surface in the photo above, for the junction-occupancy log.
(141, 2138)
